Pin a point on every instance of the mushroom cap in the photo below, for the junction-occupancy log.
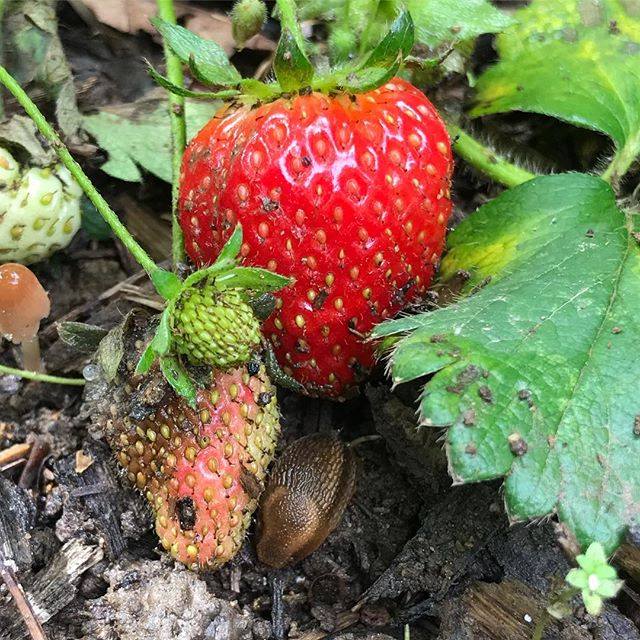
(23, 303)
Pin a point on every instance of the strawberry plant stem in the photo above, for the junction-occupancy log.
(76, 171)
(485, 160)
(622, 161)
(167, 13)
(40, 377)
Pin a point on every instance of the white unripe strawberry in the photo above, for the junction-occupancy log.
(39, 210)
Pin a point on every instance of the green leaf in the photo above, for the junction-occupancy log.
(209, 58)
(178, 378)
(138, 134)
(93, 223)
(440, 22)
(579, 61)
(165, 83)
(292, 67)
(536, 374)
(436, 22)
(258, 280)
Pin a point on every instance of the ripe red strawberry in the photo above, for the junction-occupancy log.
(201, 469)
(348, 195)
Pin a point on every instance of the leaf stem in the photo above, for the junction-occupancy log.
(485, 160)
(167, 13)
(76, 171)
(40, 377)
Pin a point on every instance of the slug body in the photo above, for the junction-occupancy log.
(306, 495)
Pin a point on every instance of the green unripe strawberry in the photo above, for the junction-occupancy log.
(247, 18)
(215, 327)
(39, 210)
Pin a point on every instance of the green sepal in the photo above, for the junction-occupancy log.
(259, 280)
(398, 41)
(259, 90)
(159, 345)
(382, 64)
(210, 60)
(226, 260)
(231, 248)
(369, 78)
(165, 83)
(146, 360)
(167, 284)
(292, 67)
(179, 379)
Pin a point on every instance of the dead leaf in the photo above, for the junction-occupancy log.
(19, 130)
(83, 461)
(131, 16)
(34, 55)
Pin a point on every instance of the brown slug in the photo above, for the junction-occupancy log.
(305, 497)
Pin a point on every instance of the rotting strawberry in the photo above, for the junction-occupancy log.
(202, 468)
(341, 181)
(348, 195)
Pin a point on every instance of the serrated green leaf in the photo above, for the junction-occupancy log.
(178, 378)
(138, 135)
(578, 61)
(167, 284)
(292, 67)
(258, 280)
(536, 374)
(209, 58)
(165, 83)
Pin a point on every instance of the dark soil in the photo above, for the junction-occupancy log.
(413, 555)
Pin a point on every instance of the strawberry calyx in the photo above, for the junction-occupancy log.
(223, 276)
(294, 72)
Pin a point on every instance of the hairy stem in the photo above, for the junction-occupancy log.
(485, 160)
(40, 377)
(167, 13)
(76, 171)
(622, 161)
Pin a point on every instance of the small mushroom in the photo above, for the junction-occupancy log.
(23, 303)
